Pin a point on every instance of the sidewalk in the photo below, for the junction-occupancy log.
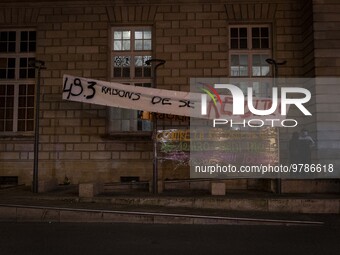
(64, 205)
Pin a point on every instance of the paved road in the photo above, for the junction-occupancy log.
(93, 238)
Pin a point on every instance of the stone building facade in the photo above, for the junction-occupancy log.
(88, 38)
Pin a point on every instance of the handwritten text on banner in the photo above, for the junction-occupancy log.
(152, 100)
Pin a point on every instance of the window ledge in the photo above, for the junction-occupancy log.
(129, 136)
(16, 136)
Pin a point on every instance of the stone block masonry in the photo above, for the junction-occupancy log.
(80, 40)
(89, 190)
(218, 188)
(74, 37)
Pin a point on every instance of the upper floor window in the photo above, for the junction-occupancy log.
(131, 47)
(17, 49)
(250, 46)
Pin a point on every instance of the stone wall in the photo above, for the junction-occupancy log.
(74, 38)
(326, 23)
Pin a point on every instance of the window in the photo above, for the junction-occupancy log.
(17, 78)
(250, 46)
(130, 49)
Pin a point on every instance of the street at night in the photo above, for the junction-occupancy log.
(93, 238)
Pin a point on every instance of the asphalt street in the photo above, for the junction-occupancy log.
(94, 238)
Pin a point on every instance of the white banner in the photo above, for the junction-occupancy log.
(156, 100)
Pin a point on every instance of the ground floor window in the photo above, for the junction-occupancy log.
(17, 80)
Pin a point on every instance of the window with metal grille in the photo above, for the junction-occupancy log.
(17, 80)
(131, 47)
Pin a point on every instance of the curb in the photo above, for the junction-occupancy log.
(22, 213)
